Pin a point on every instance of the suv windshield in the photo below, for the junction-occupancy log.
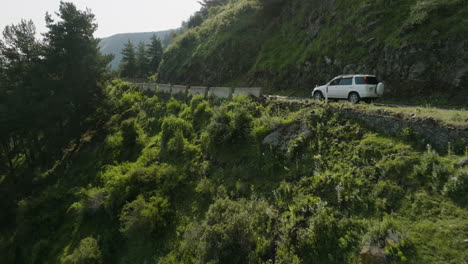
(366, 80)
(335, 81)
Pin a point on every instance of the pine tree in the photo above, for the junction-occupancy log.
(155, 52)
(20, 91)
(142, 60)
(210, 3)
(128, 64)
(74, 63)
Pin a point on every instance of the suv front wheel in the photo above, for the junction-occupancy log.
(354, 98)
(318, 96)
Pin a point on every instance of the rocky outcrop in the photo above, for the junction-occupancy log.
(374, 252)
(282, 137)
(463, 162)
(425, 130)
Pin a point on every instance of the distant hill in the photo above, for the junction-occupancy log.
(115, 43)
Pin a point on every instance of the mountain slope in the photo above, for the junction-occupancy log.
(417, 47)
(115, 43)
(237, 181)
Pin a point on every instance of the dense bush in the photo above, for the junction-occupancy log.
(141, 217)
(232, 232)
(457, 186)
(87, 252)
(202, 185)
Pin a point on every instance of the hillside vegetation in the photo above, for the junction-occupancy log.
(93, 170)
(238, 181)
(418, 47)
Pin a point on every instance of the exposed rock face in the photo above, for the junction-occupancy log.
(307, 42)
(282, 137)
(463, 162)
(425, 130)
(374, 253)
(428, 130)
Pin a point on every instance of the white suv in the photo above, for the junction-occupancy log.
(351, 87)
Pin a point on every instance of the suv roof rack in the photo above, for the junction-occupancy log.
(351, 75)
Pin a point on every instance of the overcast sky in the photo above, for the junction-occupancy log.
(113, 16)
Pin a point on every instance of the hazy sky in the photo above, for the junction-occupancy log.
(112, 16)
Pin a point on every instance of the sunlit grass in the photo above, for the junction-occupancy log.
(451, 117)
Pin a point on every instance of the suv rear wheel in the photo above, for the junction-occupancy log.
(354, 98)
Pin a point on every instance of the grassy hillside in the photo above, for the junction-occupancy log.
(115, 43)
(417, 47)
(238, 181)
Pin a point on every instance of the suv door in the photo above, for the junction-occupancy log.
(344, 87)
(333, 88)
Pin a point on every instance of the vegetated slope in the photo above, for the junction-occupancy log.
(418, 47)
(240, 182)
(115, 43)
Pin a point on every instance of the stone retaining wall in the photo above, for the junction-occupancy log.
(198, 90)
(149, 87)
(164, 88)
(253, 91)
(220, 92)
(179, 89)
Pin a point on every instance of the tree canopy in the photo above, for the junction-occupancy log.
(128, 65)
(49, 87)
(142, 61)
(155, 53)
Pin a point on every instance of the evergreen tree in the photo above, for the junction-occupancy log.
(48, 89)
(20, 92)
(74, 63)
(142, 60)
(211, 3)
(155, 52)
(128, 64)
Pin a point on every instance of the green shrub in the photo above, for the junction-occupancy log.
(424, 9)
(457, 186)
(143, 179)
(87, 252)
(129, 133)
(144, 217)
(171, 125)
(232, 232)
(150, 118)
(91, 201)
(231, 124)
(201, 115)
(387, 235)
(327, 239)
(388, 196)
(116, 181)
(173, 107)
(431, 171)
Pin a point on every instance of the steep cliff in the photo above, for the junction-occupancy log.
(418, 47)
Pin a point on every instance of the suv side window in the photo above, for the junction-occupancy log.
(346, 81)
(360, 80)
(335, 82)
